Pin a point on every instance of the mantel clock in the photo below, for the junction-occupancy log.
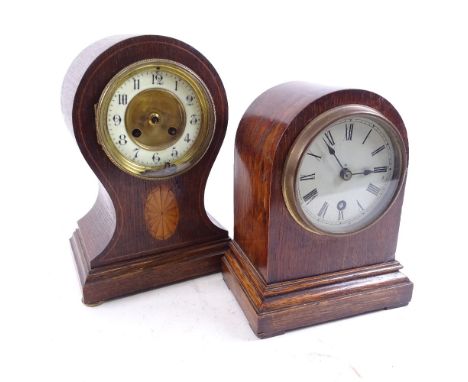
(149, 114)
(319, 183)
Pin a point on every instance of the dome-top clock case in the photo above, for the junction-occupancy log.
(319, 183)
(149, 114)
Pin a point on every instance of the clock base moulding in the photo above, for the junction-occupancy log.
(141, 269)
(148, 272)
(275, 308)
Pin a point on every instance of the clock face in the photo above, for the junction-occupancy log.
(347, 174)
(155, 119)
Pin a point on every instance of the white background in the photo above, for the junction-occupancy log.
(412, 54)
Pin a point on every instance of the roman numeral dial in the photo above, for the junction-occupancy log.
(348, 174)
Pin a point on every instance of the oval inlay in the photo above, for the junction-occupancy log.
(161, 213)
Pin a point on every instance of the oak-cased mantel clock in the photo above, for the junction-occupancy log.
(319, 183)
(149, 114)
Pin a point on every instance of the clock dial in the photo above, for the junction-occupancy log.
(155, 119)
(347, 174)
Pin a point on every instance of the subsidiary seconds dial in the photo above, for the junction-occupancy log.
(347, 174)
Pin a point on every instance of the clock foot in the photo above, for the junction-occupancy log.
(91, 305)
(151, 271)
(273, 309)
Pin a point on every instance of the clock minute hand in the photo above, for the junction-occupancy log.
(365, 172)
(331, 150)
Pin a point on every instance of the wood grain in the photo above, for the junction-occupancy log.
(274, 242)
(275, 308)
(115, 230)
(126, 278)
(273, 250)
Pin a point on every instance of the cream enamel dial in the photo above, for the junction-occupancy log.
(346, 174)
(155, 119)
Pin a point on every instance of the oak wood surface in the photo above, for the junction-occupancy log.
(274, 264)
(274, 242)
(115, 230)
(314, 300)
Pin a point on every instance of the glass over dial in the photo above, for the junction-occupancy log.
(347, 174)
(155, 119)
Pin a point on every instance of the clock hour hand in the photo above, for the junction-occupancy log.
(331, 150)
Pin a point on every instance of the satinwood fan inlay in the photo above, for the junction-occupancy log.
(161, 213)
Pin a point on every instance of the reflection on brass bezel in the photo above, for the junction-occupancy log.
(207, 122)
(305, 138)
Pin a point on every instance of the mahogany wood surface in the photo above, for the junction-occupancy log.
(114, 233)
(268, 240)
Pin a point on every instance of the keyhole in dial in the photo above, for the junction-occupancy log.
(154, 118)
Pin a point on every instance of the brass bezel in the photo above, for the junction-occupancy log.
(207, 123)
(308, 134)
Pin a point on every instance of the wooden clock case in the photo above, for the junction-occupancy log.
(283, 276)
(116, 253)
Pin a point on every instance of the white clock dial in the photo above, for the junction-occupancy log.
(123, 136)
(155, 118)
(348, 174)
